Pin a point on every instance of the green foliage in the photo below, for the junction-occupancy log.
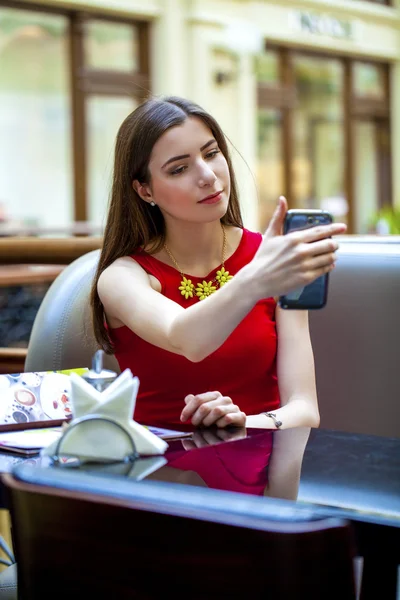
(391, 216)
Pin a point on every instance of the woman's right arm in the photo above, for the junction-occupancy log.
(281, 264)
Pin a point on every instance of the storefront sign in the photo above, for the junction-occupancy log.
(321, 24)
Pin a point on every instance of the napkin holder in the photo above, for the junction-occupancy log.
(103, 430)
(71, 450)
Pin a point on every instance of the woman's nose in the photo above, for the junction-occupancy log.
(206, 176)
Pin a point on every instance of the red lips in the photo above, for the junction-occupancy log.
(212, 198)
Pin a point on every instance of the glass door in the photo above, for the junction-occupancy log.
(323, 127)
(318, 135)
(104, 116)
(270, 152)
(270, 173)
(371, 146)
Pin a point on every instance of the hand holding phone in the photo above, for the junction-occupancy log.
(283, 263)
(315, 294)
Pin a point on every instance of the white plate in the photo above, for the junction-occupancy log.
(54, 395)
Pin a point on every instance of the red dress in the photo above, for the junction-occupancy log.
(238, 467)
(244, 367)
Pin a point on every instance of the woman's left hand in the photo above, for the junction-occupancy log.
(212, 408)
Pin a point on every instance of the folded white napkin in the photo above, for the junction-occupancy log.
(96, 438)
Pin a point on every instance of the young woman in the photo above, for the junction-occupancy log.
(184, 294)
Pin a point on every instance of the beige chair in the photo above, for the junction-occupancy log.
(355, 337)
(8, 583)
(8, 577)
(62, 336)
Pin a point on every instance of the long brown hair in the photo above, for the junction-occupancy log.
(131, 222)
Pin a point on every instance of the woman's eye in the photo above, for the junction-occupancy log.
(178, 170)
(213, 153)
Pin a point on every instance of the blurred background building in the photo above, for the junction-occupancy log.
(308, 92)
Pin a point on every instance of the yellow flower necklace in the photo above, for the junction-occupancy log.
(206, 288)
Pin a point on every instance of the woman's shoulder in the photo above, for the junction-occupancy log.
(126, 272)
(243, 244)
(254, 236)
(122, 262)
(118, 270)
(242, 235)
(249, 239)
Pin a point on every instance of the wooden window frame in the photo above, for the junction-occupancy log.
(85, 81)
(386, 3)
(282, 96)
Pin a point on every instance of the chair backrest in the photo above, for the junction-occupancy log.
(62, 335)
(116, 538)
(356, 339)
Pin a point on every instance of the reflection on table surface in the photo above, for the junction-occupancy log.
(327, 473)
(336, 469)
(258, 462)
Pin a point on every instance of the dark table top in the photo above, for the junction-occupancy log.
(298, 474)
(351, 475)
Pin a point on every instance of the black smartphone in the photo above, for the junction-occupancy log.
(315, 294)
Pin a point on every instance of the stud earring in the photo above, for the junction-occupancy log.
(152, 203)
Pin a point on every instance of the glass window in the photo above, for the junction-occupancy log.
(372, 177)
(267, 68)
(318, 136)
(365, 175)
(270, 175)
(111, 46)
(306, 158)
(35, 142)
(368, 80)
(104, 116)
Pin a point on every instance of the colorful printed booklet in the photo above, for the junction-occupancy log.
(34, 405)
(29, 400)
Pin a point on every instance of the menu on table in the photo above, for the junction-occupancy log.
(30, 400)
(41, 401)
